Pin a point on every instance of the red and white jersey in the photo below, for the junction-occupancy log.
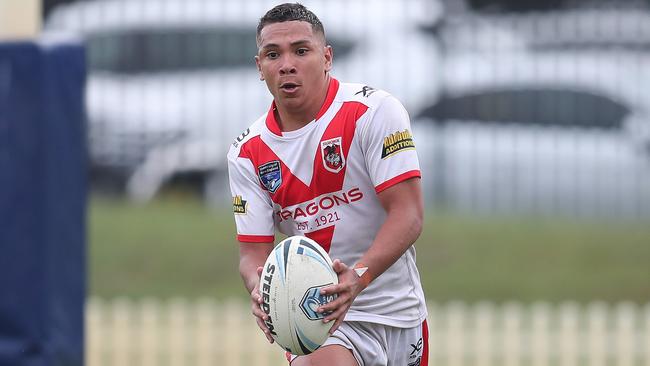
(322, 181)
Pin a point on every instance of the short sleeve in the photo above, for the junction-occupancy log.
(251, 205)
(388, 145)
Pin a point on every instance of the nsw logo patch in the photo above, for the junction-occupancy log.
(270, 175)
(396, 142)
(332, 153)
(239, 205)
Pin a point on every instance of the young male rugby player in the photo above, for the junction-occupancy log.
(335, 162)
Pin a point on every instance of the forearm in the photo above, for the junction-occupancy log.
(401, 228)
(252, 256)
(247, 270)
(395, 236)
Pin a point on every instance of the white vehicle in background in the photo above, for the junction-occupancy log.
(542, 124)
(171, 83)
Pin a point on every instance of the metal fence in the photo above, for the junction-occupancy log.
(206, 332)
(542, 109)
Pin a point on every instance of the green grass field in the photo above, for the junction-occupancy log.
(178, 247)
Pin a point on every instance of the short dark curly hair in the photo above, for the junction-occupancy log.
(287, 12)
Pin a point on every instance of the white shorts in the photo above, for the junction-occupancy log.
(375, 344)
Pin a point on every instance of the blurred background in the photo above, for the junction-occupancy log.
(532, 123)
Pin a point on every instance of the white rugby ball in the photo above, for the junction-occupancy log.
(292, 277)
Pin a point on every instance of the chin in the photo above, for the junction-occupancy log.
(290, 99)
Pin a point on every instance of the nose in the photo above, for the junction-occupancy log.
(287, 67)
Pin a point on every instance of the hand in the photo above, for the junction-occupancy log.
(260, 315)
(348, 288)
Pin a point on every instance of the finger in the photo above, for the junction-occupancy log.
(336, 314)
(256, 306)
(256, 302)
(258, 299)
(260, 318)
(332, 289)
(339, 266)
(336, 325)
(331, 306)
(259, 271)
(332, 311)
(265, 330)
(259, 313)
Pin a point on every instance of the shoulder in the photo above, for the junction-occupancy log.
(362, 93)
(374, 99)
(254, 130)
(382, 106)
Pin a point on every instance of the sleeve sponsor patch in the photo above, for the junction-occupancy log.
(239, 205)
(396, 142)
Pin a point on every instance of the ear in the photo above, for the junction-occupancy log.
(329, 56)
(259, 67)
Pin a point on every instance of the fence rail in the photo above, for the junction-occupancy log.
(206, 332)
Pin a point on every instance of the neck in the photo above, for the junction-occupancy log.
(294, 118)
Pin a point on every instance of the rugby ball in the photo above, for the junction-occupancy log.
(292, 277)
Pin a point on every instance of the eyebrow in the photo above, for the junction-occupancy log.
(292, 44)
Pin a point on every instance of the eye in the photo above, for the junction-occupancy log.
(272, 55)
(302, 51)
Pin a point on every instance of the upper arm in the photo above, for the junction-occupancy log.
(404, 198)
(255, 251)
(252, 256)
(252, 206)
(388, 146)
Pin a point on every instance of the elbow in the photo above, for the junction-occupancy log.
(243, 269)
(413, 223)
(417, 224)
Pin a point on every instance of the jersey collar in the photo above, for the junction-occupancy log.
(272, 123)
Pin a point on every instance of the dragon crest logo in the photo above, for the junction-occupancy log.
(332, 153)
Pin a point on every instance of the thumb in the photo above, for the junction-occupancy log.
(339, 266)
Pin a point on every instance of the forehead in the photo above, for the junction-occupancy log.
(287, 32)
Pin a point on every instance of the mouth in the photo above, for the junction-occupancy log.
(289, 87)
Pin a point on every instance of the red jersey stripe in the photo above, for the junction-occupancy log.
(343, 125)
(324, 181)
(323, 237)
(255, 238)
(332, 89)
(292, 189)
(400, 178)
(425, 344)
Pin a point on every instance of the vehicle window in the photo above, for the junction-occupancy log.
(493, 6)
(152, 50)
(546, 107)
(165, 50)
